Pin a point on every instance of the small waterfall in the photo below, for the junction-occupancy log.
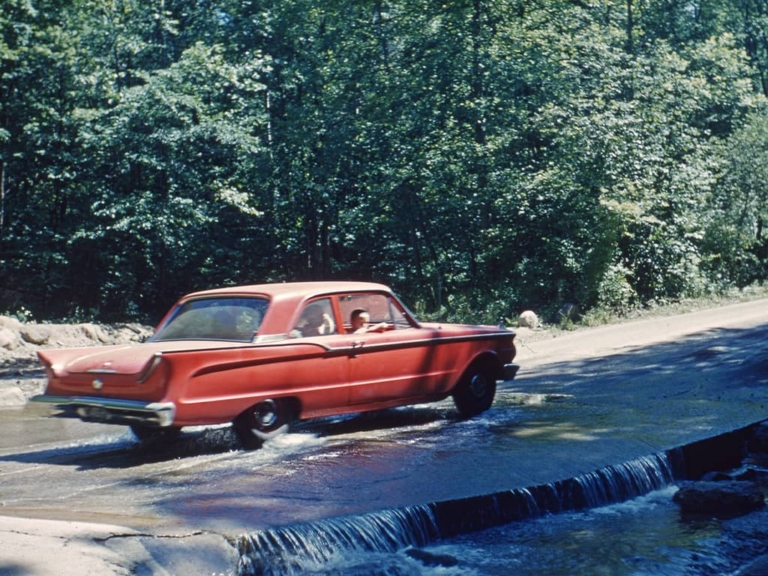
(605, 486)
(307, 548)
(623, 482)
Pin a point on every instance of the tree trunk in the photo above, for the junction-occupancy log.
(630, 28)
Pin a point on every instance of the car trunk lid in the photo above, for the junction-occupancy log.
(133, 371)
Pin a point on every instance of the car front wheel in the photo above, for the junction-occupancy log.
(475, 391)
(262, 420)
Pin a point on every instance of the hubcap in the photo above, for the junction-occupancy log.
(477, 385)
(266, 413)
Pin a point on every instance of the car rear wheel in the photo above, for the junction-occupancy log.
(151, 434)
(263, 420)
(475, 391)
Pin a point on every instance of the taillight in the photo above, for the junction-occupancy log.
(150, 368)
(49, 373)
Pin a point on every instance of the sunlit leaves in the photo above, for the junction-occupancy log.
(173, 156)
(736, 237)
(528, 152)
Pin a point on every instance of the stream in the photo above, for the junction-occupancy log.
(620, 520)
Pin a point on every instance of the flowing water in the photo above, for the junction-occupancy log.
(620, 520)
(643, 536)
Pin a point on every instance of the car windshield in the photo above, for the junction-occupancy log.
(236, 319)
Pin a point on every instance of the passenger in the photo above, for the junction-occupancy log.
(313, 322)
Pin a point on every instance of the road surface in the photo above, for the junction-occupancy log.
(75, 495)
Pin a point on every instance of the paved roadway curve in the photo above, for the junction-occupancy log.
(583, 401)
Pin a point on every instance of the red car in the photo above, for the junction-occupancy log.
(262, 356)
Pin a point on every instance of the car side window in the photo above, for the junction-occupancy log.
(366, 313)
(316, 319)
(399, 320)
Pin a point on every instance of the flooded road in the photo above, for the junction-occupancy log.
(580, 404)
(205, 479)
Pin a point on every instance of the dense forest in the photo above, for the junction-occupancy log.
(479, 156)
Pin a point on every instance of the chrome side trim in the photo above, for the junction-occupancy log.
(373, 346)
(354, 349)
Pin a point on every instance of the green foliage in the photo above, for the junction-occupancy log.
(735, 241)
(481, 157)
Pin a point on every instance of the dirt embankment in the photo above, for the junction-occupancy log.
(21, 375)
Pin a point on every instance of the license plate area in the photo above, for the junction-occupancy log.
(96, 413)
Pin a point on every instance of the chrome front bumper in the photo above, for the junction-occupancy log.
(106, 410)
(510, 371)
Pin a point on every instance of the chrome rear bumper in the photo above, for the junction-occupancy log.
(106, 410)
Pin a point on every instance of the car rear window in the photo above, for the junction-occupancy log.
(236, 319)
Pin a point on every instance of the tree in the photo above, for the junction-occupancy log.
(479, 156)
(174, 160)
(737, 246)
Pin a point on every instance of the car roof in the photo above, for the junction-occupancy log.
(286, 298)
(291, 290)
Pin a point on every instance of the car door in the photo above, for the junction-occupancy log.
(316, 373)
(392, 359)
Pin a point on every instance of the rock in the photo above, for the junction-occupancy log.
(758, 441)
(12, 397)
(139, 329)
(8, 339)
(134, 332)
(528, 319)
(716, 476)
(8, 322)
(750, 475)
(95, 332)
(758, 567)
(432, 559)
(719, 499)
(34, 334)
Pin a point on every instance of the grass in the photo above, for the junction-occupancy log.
(599, 317)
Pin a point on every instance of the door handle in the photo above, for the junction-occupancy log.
(356, 345)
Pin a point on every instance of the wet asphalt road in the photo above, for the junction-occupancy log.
(582, 401)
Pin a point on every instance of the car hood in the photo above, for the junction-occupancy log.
(126, 359)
